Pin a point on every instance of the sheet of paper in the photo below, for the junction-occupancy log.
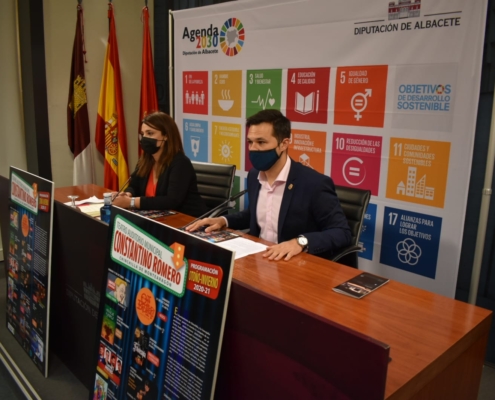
(91, 200)
(91, 209)
(242, 246)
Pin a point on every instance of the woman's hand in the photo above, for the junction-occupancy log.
(122, 201)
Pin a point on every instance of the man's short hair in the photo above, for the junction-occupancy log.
(280, 123)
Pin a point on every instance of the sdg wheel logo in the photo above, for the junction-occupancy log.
(232, 37)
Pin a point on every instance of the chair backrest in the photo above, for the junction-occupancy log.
(354, 203)
(215, 182)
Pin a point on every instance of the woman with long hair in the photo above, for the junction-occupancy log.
(164, 178)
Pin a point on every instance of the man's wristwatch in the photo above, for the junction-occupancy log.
(303, 242)
(133, 201)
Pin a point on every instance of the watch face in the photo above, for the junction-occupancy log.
(302, 241)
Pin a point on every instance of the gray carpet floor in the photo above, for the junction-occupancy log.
(487, 386)
(8, 387)
(60, 384)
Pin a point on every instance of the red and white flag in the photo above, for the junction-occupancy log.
(77, 111)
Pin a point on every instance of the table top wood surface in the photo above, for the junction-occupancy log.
(425, 331)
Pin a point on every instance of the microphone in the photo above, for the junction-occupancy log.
(232, 198)
(122, 188)
(125, 183)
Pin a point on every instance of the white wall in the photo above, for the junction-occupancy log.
(60, 25)
(12, 144)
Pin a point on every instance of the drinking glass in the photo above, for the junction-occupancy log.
(73, 198)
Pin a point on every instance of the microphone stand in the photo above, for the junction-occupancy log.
(124, 185)
(122, 188)
(221, 205)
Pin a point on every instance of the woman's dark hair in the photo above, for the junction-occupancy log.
(173, 145)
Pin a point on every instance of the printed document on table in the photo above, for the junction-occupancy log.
(91, 209)
(91, 200)
(242, 247)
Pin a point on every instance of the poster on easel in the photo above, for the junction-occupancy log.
(162, 312)
(29, 262)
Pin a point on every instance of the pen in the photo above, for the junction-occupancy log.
(122, 188)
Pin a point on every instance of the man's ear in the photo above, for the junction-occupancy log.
(284, 145)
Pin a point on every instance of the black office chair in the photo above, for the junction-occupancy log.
(215, 182)
(354, 203)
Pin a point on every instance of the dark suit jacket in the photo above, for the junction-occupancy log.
(310, 207)
(176, 189)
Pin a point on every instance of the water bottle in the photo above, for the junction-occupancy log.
(105, 210)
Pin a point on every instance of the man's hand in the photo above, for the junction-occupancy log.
(214, 224)
(287, 249)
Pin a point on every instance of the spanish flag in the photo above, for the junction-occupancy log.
(149, 100)
(110, 136)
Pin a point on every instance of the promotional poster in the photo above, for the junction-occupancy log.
(162, 312)
(382, 95)
(28, 263)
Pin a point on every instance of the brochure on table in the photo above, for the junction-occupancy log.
(162, 312)
(361, 285)
(29, 262)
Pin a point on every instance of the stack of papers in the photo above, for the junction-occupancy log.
(92, 200)
(242, 247)
(90, 206)
(91, 209)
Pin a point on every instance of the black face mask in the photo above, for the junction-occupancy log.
(149, 145)
(264, 160)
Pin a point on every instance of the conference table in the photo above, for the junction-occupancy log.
(435, 345)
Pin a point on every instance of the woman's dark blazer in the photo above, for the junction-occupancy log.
(176, 189)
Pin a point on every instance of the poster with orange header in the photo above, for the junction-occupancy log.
(29, 263)
(162, 312)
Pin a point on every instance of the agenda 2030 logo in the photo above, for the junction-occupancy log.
(230, 38)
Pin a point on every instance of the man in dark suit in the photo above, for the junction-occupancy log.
(289, 204)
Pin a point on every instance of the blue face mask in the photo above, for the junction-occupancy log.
(264, 160)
